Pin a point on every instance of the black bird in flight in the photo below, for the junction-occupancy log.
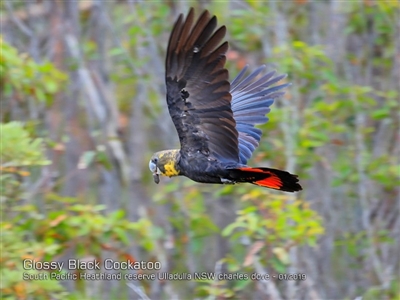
(214, 118)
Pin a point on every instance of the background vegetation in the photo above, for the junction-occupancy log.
(83, 108)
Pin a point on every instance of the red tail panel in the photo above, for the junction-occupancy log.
(270, 178)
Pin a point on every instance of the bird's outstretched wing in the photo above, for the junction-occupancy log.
(198, 96)
(251, 99)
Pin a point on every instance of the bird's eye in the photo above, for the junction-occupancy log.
(155, 160)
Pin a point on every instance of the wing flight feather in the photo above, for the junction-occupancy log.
(251, 98)
(198, 96)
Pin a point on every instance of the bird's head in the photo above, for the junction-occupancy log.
(164, 163)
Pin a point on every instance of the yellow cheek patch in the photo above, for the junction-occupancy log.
(170, 169)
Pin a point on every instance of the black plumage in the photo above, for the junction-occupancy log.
(215, 120)
(195, 67)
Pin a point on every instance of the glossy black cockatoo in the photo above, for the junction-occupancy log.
(214, 118)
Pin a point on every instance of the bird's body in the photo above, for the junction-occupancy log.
(214, 118)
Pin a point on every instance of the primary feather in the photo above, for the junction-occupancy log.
(251, 99)
(198, 95)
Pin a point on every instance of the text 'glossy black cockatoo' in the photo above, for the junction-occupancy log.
(215, 119)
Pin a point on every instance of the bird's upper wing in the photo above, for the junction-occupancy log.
(198, 96)
(251, 99)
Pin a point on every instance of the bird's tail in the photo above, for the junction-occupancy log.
(270, 178)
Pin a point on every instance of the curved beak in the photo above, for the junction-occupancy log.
(152, 166)
(156, 178)
(153, 169)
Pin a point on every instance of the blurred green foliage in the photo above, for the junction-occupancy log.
(275, 219)
(31, 233)
(18, 149)
(21, 75)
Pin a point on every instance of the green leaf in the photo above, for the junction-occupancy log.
(86, 159)
(18, 149)
(231, 227)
